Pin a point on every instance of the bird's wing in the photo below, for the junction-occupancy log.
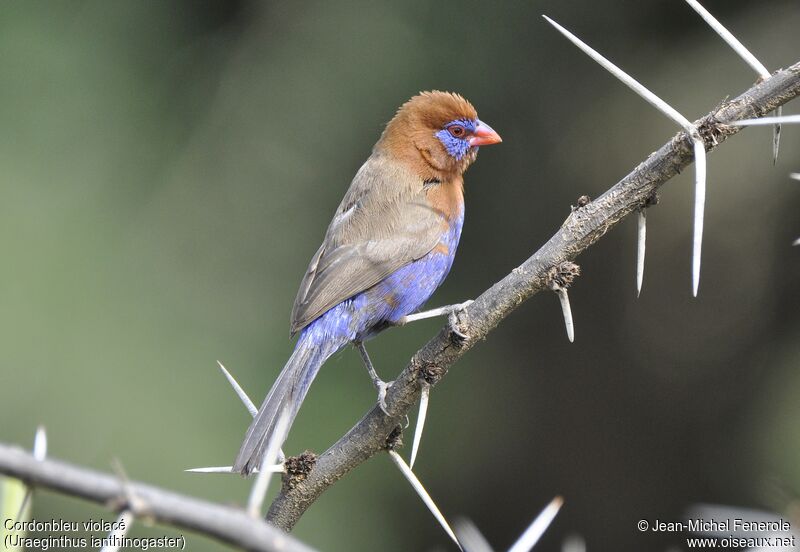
(383, 223)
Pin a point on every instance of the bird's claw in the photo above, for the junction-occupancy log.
(453, 321)
(382, 387)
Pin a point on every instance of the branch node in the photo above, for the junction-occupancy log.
(298, 468)
(561, 276)
(583, 201)
(651, 200)
(395, 439)
(430, 373)
(129, 500)
(713, 132)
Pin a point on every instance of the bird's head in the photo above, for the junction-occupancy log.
(438, 132)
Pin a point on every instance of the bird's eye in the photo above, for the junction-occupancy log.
(457, 131)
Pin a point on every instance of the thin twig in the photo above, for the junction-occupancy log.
(584, 227)
(227, 524)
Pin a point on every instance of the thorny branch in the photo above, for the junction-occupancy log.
(583, 227)
(227, 524)
(378, 431)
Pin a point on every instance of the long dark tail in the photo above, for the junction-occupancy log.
(287, 395)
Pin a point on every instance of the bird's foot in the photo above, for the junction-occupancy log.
(453, 320)
(382, 387)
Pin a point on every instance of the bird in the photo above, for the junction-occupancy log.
(390, 244)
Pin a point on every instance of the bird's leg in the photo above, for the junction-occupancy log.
(451, 311)
(441, 311)
(379, 384)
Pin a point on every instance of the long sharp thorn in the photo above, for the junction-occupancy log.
(536, 529)
(764, 121)
(776, 136)
(640, 249)
(114, 539)
(40, 444)
(423, 412)
(573, 543)
(567, 312)
(259, 490)
(471, 537)
(275, 468)
(699, 207)
(794, 176)
(670, 112)
(251, 408)
(732, 41)
(423, 494)
(39, 453)
(747, 56)
(629, 81)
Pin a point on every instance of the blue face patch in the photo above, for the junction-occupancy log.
(457, 147)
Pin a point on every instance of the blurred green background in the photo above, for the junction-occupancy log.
(168, 169)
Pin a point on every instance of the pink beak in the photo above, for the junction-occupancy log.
(483, 135)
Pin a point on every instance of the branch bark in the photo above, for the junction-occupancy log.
(227, 524)
(583, 227)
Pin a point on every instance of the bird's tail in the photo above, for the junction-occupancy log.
(286, 395)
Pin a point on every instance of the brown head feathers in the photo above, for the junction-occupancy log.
(411, 135)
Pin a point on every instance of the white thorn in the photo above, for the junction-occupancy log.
(776, 136)
(275, 468)
(573, 543)
(640, 249)
(39, 453)
(629, 81)
(259, 490)
(251, 408)
(471, 537)
(40, 444)
(115, 537)
(669, 111)
(536, 529)
(795, 176)
(796, 242)
(423, 412)
(785, 119)
(423, 494)
(567, 312)
(699, 208)
(732, 41)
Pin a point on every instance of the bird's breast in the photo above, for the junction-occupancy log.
(447, 199)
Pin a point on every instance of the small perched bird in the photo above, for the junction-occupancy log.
(390, 244)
